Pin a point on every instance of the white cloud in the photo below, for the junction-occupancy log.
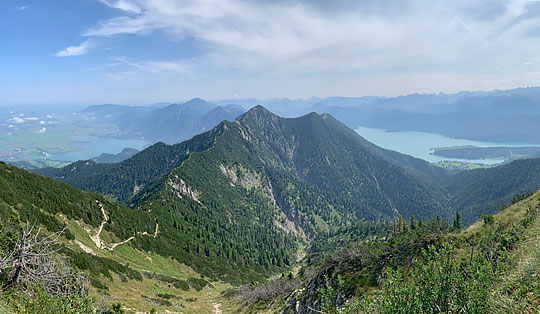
(49, 116)
(296, 36)
(11, 126)
(17, 120)
(42, 122)
(22, 8)
(32, 119)
(82, 49)
(42, 130)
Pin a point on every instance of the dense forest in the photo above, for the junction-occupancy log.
(123, 180)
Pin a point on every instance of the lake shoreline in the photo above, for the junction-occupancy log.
(420, 144)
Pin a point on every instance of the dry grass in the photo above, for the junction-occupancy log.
(142, 296)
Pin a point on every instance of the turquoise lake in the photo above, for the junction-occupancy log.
(418, 144)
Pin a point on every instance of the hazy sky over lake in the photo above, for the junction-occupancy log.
(145, 51)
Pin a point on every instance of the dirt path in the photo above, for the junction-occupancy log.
(96, 239)
(112, 246)
(84, 247)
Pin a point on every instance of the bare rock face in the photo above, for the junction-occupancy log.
(180, 187)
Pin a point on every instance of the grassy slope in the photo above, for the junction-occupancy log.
(518, 289)
(485, 191)
(27, 197)
(131, 293)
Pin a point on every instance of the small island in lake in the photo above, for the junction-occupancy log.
(473, 152)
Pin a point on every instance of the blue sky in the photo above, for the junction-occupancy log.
(146, 51)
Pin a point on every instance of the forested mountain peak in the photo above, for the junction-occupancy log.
(258, 114)
(313, 169)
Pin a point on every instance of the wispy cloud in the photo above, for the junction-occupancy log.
(22, 8)
(122, 5)
(82, 49)
(307, 36)
(178, 67)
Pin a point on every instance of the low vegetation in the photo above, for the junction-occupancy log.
(491, 267)
(34, 278)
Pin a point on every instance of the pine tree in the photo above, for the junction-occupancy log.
(412, 223)
(457, 222)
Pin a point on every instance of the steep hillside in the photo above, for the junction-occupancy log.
(139, 257)
(123, 180)
(331, 157)
(25, 196)
(423, 267)
(485, 191)
(414, 165)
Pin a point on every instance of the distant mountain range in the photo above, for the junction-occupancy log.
(106, 158)
(170, 123)
(468, 115)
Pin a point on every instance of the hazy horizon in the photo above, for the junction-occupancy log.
(82, 104)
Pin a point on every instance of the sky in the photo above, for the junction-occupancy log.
(147, 51)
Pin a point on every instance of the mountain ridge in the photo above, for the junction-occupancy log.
(286, 138)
